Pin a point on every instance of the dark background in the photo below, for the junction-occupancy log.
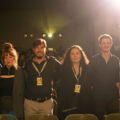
(79, 22)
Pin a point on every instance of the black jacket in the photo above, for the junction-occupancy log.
(18, 93)
(67, 98)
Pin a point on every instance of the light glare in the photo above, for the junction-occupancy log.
(114, 3)
(50, 35)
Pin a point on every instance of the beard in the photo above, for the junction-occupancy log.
(39, 57)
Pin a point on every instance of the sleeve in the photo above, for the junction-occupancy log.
(55, 77)
(18, 93)
(56, 71)
(117, 73)
(90, 72)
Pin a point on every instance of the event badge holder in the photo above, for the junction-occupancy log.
(77, 85)
(39, 79)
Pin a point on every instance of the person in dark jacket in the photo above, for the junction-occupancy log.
(103, 75)
(72, 92)
(8, 80)
(41, 75)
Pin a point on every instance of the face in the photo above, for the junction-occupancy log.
(40, 50)
(75, 55)
(105, 45)
(9, 60)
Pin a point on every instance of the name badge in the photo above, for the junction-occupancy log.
(39, 81)
(77, 88)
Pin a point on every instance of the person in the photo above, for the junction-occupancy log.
(41, 73)
(103, 75)
(9, 81)
(72, 92)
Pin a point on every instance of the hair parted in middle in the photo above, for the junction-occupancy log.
(84, 59)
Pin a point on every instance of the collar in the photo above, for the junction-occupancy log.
(103, 56)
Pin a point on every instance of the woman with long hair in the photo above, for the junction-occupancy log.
(10, 81)
(9, 59)
(72, 92)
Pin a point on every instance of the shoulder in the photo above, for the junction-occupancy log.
(19, 70)
(52, 59)
(95, 58)
(114, 57)
(66, 67)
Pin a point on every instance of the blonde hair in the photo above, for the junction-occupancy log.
(8, 49)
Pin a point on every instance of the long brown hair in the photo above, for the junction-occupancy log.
(8, 49)
(84, 59)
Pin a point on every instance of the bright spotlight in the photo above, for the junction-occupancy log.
(31, 35)
(25, 35)
(114, 3)
(50, 35)
(60, 35)
(44, 35)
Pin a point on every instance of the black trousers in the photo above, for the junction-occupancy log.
(6, 105)
(105, 105)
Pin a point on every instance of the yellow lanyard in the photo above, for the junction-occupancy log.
(43, 67)
(80, 73)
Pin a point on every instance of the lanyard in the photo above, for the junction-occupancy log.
(80, 72)
(43, 67)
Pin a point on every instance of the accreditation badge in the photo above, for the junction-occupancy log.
(39, 81)
(77, 88)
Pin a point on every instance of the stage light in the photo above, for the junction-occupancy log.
(50, 35)
(44, 35)
(60, 35)
(31, 35)
(25, 35)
